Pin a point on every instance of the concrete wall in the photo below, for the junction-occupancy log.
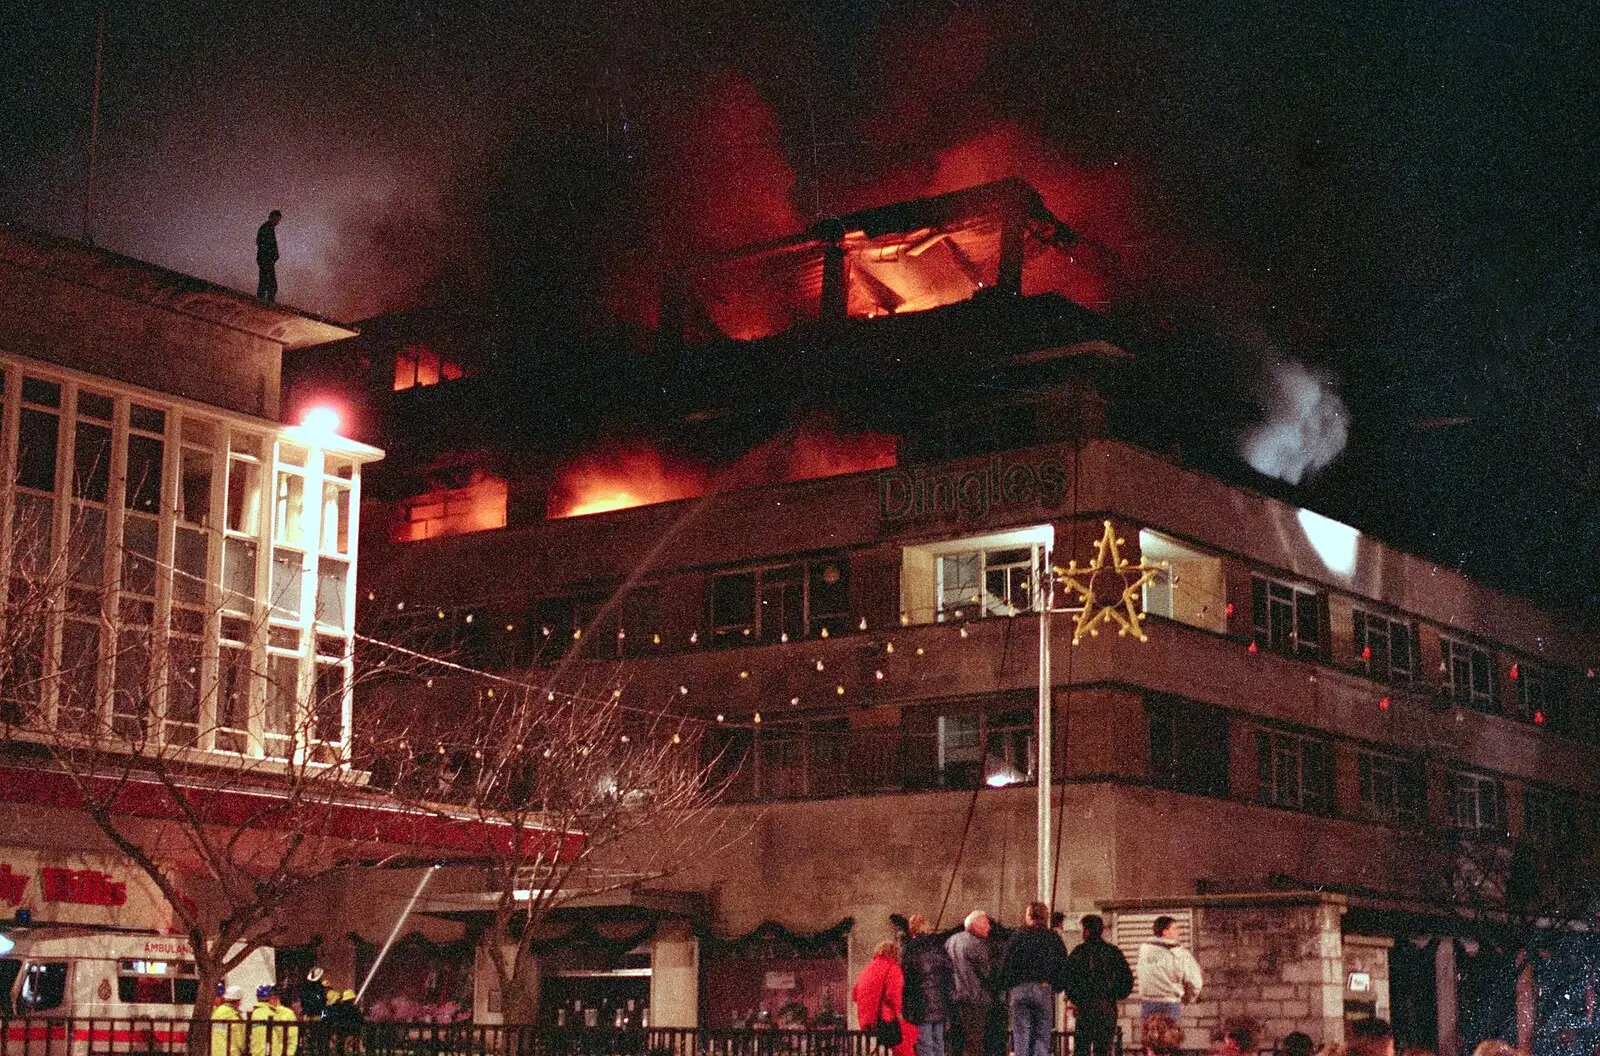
(86, 329)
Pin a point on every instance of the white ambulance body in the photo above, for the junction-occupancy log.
(111, 977)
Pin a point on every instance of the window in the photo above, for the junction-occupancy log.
(1548, 816)
(1392, 790)
(476, 507)
(1534, 696)
(1477, 803)
(156, 982)
(44, 987)
(1469, 674)
(1287, 619)
(1191, 589)
(1295, 772)
(419, 365)
(795, 760)
(1384, 647)
(142, 483)
(781, 603)
(987, 582)
(1188, 746)
(995, 747)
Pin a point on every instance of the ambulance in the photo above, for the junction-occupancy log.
(106, 991)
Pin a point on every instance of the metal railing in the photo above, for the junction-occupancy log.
(43, 1036)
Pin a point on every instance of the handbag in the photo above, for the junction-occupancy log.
(886, 1032)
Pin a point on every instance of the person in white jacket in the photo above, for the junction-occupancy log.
(1169, 976)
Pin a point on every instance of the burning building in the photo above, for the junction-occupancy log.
(1358, 781)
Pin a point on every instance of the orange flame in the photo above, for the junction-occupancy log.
(641, 476)
(599, 483)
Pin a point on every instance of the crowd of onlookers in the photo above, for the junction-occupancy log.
(981, 990)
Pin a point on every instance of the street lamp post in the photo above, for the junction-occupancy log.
(1043, 865)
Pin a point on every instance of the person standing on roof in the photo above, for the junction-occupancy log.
(267, 258)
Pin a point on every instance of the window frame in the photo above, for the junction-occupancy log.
(1456, 788)
(727, 628)
(1273, 749)
(1299, 600)
(1485, 699)
(1401, 772)
(1383, 669)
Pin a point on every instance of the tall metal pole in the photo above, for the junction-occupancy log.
(94, 126)
(1045, 860)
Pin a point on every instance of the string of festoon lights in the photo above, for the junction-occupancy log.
(958, 623)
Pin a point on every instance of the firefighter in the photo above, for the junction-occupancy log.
(273, 1031)
(228, 1039)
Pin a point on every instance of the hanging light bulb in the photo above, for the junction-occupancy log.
(920, 650)
(1253, 648)
(683, 691)
(677, 739)
(719, 717)
(905, 619)
(430, 683)
(694, 637)
(819, 665)
(784, 637)
(888, 647)
(862, 625)
(655, 639)
(1515, 671)
(824, 632)
(1227, 610)
(878, 675)
(1366, 652)
(839, 690)
(794, 701)
(963, 630)
(756, 718)
(744, 674)
(400, 605)
(510, 627)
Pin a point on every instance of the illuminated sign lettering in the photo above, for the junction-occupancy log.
(915, 494)
(12, 885)
(87, 887)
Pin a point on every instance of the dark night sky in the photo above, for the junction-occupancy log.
(1402, 196)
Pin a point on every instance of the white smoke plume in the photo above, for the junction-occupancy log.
(1306, 427)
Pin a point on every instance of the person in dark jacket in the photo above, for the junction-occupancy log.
(1033, 969)
(1097, 978)
(267, 258)
(929, 985)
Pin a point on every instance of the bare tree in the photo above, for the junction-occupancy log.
(576, 792)
(222, 771)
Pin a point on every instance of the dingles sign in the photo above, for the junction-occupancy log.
(916, 494)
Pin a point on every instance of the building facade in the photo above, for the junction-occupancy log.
(180, 592)
(1361, 783)
(1325, 745)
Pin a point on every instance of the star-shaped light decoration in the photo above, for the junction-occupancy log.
(1123, 612)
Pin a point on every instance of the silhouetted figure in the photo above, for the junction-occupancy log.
(267, 258)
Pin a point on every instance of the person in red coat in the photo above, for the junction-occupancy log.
(878, 991)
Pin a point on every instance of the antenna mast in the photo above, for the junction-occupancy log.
(94, 125)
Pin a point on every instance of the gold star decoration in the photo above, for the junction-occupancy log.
(1080, 582)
